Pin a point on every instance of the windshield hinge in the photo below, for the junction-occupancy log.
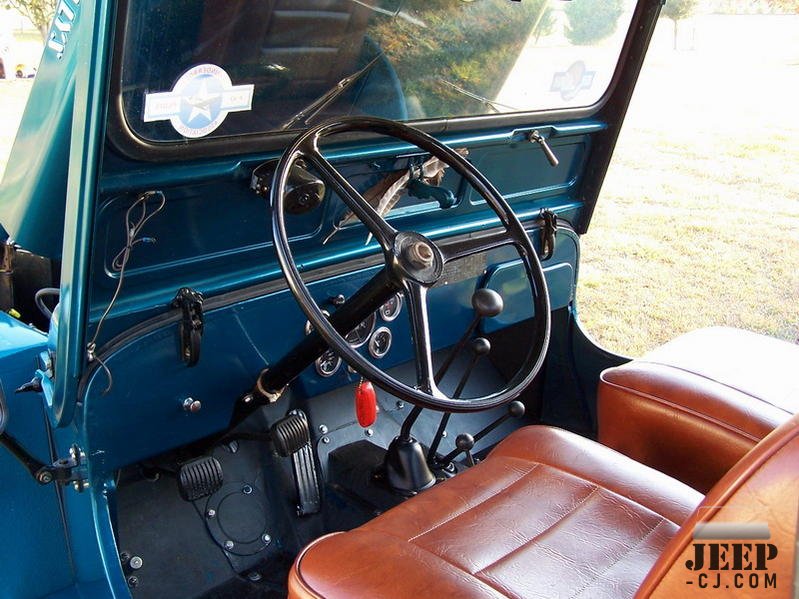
(549, 231)
(70, 470)
(191, 325)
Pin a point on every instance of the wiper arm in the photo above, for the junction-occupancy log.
(493, 105)
(323, 101)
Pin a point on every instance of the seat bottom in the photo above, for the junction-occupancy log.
(548, 513)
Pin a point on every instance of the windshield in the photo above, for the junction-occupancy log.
(194, 69)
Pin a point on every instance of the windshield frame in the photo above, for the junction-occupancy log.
(122, 137)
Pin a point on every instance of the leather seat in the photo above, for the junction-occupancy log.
(550, 514)
(693, 407)
(547, 512)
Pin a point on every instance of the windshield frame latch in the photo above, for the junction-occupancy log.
(192, 323)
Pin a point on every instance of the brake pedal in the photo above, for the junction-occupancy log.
(292, 437)
(200, 478)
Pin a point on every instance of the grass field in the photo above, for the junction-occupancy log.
(698, 220)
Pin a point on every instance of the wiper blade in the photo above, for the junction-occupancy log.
(306, 114)
(492, 104)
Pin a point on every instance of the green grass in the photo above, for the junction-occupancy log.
(698, 219)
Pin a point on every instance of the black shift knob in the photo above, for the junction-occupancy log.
(487, 302)
(516, 409)
(464, 442)
(481, 346)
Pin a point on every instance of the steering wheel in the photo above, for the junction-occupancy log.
(413, 264)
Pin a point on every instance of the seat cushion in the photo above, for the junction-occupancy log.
(695, 406)
(547, 514)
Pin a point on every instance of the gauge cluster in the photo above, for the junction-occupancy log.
(373, 332)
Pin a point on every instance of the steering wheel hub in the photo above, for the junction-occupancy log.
(418, 258)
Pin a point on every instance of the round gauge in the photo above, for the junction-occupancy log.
(360, 334)
(380, 342)
(309, 326)
(391, 309)
(328, 363)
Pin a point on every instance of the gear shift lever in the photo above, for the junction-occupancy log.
(480, 347)
(515, 410)
(487, 303)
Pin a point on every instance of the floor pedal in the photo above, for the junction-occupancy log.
(200, 478)
(292, 437)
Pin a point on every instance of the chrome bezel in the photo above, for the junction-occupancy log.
(396, 312)
(373, 318)
(309, 326)
(318, 365)
(373, 351)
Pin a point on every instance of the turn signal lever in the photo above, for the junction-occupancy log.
(464, 443)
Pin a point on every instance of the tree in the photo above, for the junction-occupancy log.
(591, 21)
(677, 10)
(40, 13)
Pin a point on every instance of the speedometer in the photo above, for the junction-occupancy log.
(360, 334)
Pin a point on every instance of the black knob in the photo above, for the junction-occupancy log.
(481, 346)
(487, 302)
(516, 409)
(464, 442)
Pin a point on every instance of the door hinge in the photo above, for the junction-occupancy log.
(191, 325)
(549, 231)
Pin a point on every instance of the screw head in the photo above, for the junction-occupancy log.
(369, 432)
(444, 434)
(323, 429)
(400, 404)
(254, 577)
(44, 478)
(133, 581)
(191, 405)
(325, 440)
(266, 539)
(210, 514)
(136, 562)
(229, 545)
(246, 489)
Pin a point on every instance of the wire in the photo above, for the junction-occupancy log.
(120, 262)
(39, 299)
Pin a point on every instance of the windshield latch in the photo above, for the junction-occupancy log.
(192, 322)
(549, 231)
(536, 138)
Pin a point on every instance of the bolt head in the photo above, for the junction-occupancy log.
(246, 489)
(210, 514)
(323, 429)
(254, 577)
(136, 562)
(191, 405)
(444, 434)
(133, 581)
(369, 432)
(266, 539)
(45, 477)
(325, 440)
(229, 545)
(400, 404)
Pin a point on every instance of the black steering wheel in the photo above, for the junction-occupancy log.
(413, 264)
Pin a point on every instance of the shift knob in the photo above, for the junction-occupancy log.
(480, 346)
(487, 302)
(464, 442)
(516, 409)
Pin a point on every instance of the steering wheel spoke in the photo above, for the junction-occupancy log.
(377, 225)
(463, 248)
(416, 297)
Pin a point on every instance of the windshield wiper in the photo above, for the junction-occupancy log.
(483, 100)
(306, 114)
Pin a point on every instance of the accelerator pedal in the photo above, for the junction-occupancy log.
(292, 437)
(200, 478)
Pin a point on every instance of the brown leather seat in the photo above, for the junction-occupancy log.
(550, 514)
(693, 407)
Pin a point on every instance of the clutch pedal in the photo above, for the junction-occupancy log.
(200, 478)
(292, 437)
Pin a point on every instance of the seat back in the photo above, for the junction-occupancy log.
(742, 538)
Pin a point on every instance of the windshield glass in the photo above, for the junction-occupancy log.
(193, 69)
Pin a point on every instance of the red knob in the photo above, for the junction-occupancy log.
(365, 404)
